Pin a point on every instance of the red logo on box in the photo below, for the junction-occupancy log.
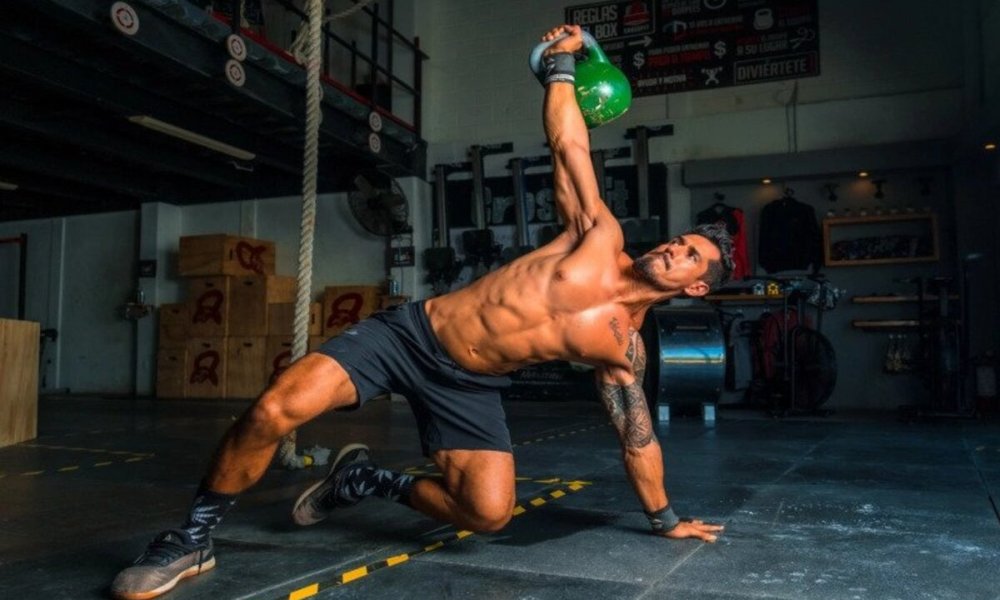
(208, 307)
(250, 257)
(280, 365)
(206, 367)
(346, 310)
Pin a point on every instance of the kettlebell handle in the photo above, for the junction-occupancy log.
(535, 58)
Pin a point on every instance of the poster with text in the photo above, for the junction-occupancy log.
(666, 46)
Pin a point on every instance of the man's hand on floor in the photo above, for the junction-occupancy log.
(694, 529)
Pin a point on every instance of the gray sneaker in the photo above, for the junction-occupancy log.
(170, 557)
(315, 503)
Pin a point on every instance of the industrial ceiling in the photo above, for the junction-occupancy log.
(104, 110)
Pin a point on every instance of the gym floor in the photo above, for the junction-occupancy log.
(851, 508)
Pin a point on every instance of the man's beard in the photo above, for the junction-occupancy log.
(643, 267)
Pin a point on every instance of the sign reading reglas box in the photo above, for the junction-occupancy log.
(667, 46)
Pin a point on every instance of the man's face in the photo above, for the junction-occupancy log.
(679, 265)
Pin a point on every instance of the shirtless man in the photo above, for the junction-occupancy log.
(579, 298)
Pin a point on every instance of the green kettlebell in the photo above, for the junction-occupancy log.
(602, 90)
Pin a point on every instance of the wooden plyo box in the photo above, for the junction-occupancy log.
(225, 306)
(208, 305)
(225, 255)
(19, 348)
(281, 318)
(246, 372)
(205, 375)
(281, 289)
(173, 322)
(247, 306)
(345, 305)
(171, 369)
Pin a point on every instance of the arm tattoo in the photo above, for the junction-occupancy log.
(636, 354)
(616, 329)
(626, 405)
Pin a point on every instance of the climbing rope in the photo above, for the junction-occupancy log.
(286, 449)
(303, 36)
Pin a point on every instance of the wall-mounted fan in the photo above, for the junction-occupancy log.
(379, 205)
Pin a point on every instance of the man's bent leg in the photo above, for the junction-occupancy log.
(476, 491)
(311, 386)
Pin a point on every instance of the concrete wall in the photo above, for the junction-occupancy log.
(81, 272)
(891, 71)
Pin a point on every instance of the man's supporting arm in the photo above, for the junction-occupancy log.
(623, 397)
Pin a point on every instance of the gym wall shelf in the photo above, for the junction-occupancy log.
(744, 298)
(891, 325)
(892, 299)
(885, 324)
(880, 239)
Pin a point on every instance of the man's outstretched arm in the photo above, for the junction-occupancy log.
(622, 394)
(577, 196)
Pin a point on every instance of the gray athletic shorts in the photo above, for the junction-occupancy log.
(396, 350)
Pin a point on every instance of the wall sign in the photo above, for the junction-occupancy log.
(666, 46)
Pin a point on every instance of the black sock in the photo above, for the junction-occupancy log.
(369, 480)
(207, 511)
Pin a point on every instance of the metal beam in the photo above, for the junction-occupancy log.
(76, 168)
(185, 49)
(96, 139)
(66, 77)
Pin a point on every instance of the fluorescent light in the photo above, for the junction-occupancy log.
(863, 174)
(7, 186)
(766, 181)
(190, 136)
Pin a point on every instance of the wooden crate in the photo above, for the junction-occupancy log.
(173, 323)
(205, 376)
(225, 255)
(281, 288)
(208, 306)
(171, 369)
(227, 306)
(248, 306)
(345, 305)
(281, 318)
(19, 348)
(246, 372)
(279, 353)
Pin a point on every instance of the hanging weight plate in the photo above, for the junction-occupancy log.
(374, 142)
(235, 73)
(237, 47)
(375, 121)
(124, 18)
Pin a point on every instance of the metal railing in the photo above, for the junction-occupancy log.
(378, 83)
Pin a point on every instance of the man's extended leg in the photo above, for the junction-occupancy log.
(311, 386)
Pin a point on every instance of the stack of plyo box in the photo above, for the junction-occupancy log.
(215, 343)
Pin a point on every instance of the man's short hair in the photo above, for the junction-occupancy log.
(719, 271)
